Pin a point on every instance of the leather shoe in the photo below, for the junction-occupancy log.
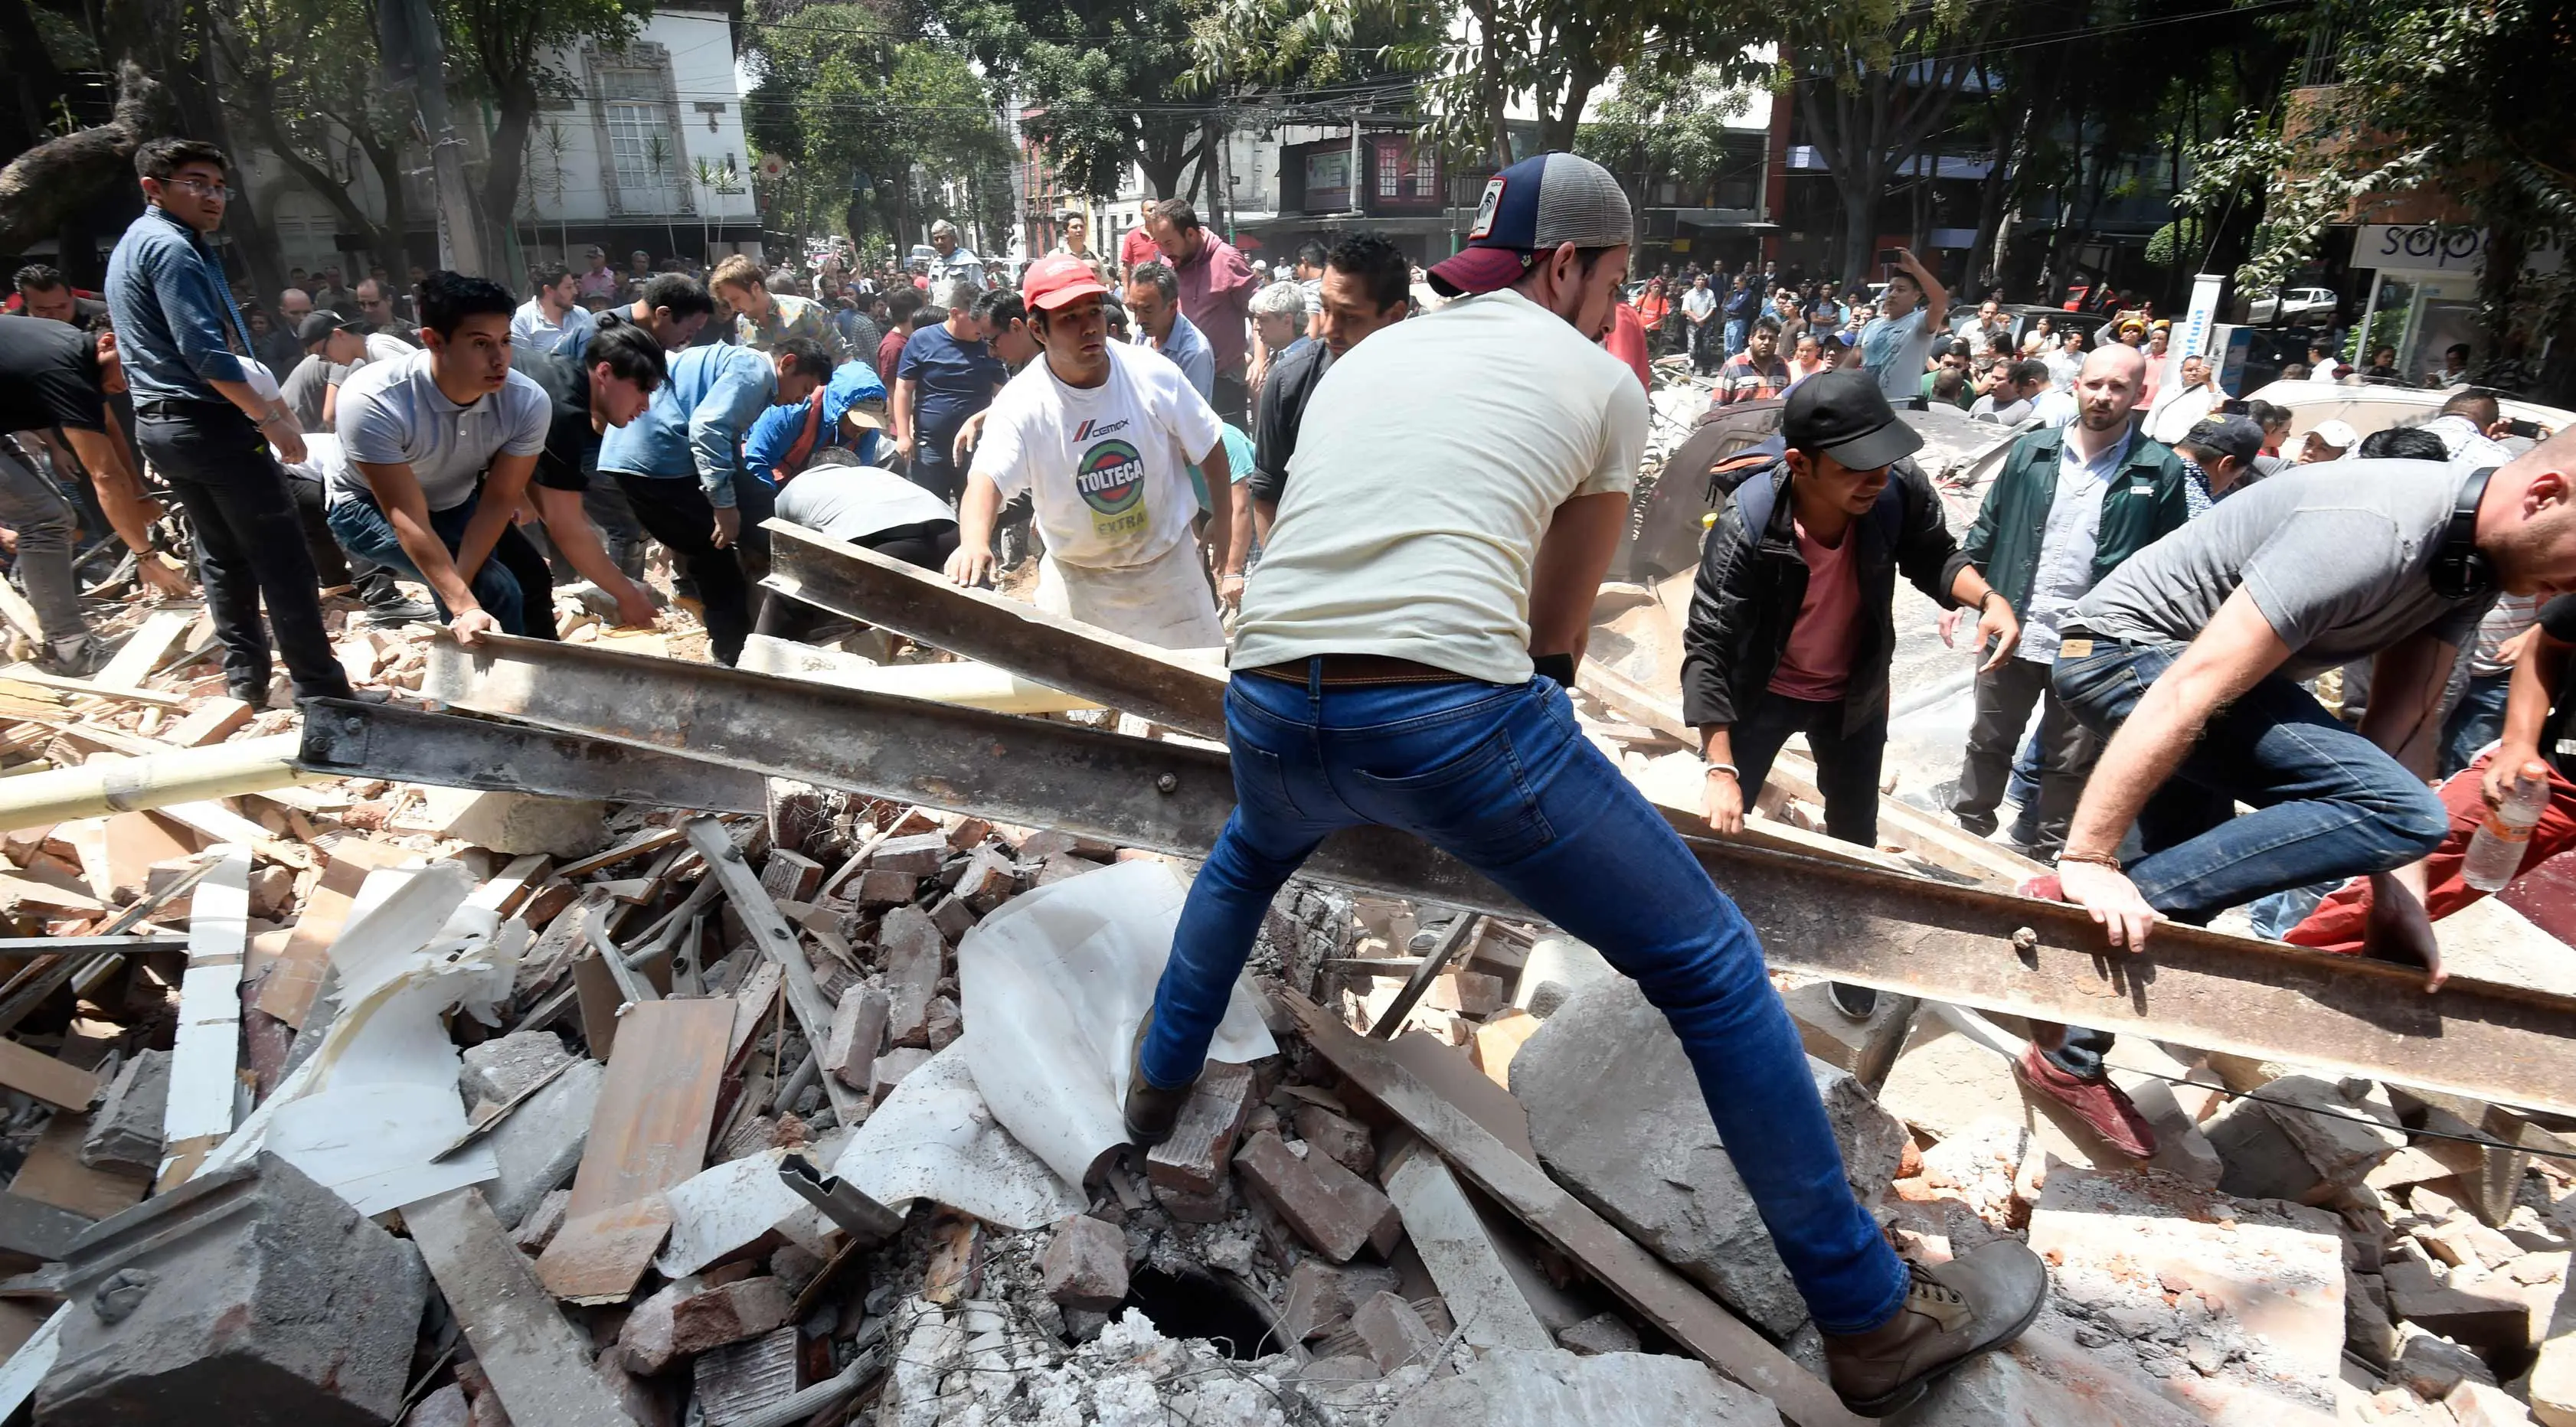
(2104, 1107)
(1151, 1110)
(1952, 1312)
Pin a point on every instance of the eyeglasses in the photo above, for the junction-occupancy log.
(199, 187)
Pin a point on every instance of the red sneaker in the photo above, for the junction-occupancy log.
(2101, 1105)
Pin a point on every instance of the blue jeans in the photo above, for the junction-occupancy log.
(2476, 721)
(1500, 778)
(2329, 804)
(513, 585)
(1737, 330)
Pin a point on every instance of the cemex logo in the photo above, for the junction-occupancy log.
(1091, 429)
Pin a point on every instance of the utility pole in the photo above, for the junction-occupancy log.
(415, 57)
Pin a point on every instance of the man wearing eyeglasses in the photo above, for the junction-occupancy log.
(214, 424)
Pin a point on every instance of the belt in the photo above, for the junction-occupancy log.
(180, 406)
(1357, 669)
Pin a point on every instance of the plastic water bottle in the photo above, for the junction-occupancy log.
(2495, 854)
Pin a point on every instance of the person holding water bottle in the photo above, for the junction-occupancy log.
(2512, 809)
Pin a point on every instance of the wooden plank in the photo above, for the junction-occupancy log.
(15, 609)
(656, 1109)
(511, 887)
(221, 824)
(22, 889)
(66, 1087)
(205, 1064)
(29, 674)
(777, 941)
(296, 979)
(652, 841)
(1462, 1257)
(212, 721)
(54, 1174)
(538, 1363)
(143, 650)
(38, 1229)
(1644, 1282)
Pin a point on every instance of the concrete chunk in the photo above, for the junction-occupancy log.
(1201, 1148)
(539, 1146)
(248, 1295)
(891, 1068)
(517, 823)
(125, 1130)
(1462, 1257)
(688, 1317)
(2343, 1127)
(1617, 1115)
(1555, 1387)
(496, 1070)
(915, 954)
(1086, 1265)
(1599, 1334)
(2490, 1322)
(877, 887)
(2432, 1365)
(919, 854)
(2476, 1404)
(1333, 1210)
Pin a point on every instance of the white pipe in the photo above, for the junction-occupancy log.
(126, 785)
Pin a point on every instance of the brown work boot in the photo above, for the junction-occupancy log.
(1151, 1110)
(1970, 1305)
(2104, 1107)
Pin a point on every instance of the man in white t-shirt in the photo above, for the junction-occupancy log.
(436, 450)
(1895, 343)
(1460, 484)
(1101, 435)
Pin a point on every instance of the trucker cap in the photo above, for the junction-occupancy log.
(1051, 282)
(1531, 208)
(318, 325)
(1844, 415)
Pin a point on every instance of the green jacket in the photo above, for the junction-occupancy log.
(2143, 504)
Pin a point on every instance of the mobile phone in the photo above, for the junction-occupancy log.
(1890, 257)
(2527, 430)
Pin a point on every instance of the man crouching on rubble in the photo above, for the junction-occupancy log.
(1461, 483)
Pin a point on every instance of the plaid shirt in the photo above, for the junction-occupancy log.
(791, 317)
(1742, 380)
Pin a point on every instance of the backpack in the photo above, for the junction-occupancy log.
(1755, 502)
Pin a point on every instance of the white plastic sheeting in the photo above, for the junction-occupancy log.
(1053, 986)
(935, 1139)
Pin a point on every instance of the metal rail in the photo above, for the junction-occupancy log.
(1858, 924)
(343, 737)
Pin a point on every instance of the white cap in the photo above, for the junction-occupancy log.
(2337, 434)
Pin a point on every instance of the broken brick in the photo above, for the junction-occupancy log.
(1333, 1210)
(790, 876)
(953, 917)
(1086, 1265)
(890, 1069)
(968, 834)
(915, 955)
(858, 1036)
(987, 881)
(1201, 1148)
(1470, 993)
(1392, 1332)
(1349, 1144)
(920, 855)
(689, 1317)
(943, 1023)
(1321, 1295)
(878, 888)
(1599, 1334)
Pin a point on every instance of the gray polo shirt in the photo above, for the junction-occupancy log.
(2336, 556)
(392, 413)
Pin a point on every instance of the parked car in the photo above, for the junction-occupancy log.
(2376, 408)
(2298, 306)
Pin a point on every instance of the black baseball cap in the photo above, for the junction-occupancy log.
(2236, 436)
(1844, 415)
(318, 325)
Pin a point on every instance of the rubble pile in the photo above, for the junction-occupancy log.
(485, 1107)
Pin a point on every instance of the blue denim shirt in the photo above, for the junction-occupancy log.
(697, 420)
(173, 311)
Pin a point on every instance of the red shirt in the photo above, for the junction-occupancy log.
(1137, 247)
(1216, 295)
(1817, 664)
(889, 352)
(1627, 342)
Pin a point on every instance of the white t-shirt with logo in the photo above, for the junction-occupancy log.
(1107, 468)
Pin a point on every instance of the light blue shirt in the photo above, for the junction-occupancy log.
(1189, 350)
(174, 313)
(2067, 543)
(697, 420)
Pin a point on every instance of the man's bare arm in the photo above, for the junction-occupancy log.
(1218, 468)
(2231, 655)
(2405, 714)
(568, 526)
(1566, 577)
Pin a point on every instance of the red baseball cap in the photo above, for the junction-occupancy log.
(1051, 282)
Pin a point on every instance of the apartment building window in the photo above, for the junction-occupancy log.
(635, 107)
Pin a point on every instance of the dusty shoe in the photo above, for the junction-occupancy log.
(2101, 1105)
(75, 658)
(1857, 1003)
(1151, 1110)
(1954, 1311)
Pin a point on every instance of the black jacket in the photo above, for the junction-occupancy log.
(1283, 409)
(1752, 580)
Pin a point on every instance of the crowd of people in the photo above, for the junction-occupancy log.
(1394, 494)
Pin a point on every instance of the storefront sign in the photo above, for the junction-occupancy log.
(2434, 248)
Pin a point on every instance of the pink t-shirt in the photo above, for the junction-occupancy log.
(1817, 663)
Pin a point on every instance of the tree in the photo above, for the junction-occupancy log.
(500, 50)
(1872, 97)
(852, 110)
(1102, 79)
(1663, 126)
(41, 188)
(302, 79)
(2460, 98)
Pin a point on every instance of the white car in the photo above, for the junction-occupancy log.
(2296, 306)
(2376, 408)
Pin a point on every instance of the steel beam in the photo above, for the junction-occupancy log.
(347, 738)
(1083, 659)
(1858, 924)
